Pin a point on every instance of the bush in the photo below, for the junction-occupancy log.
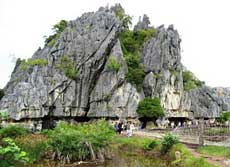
(168, 141)
(13, 131)
(11, 154)
(131, 44)
(80, 142)
(68, 66)
(151, 145)
(3, 115)
(224, 116)
(34, 144)
(190, 81)
(113, 65)
(25, 64)
(57, 30)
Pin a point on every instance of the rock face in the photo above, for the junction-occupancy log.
(90, 41)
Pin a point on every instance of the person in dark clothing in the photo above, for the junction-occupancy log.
(116, 127)
(119, 127)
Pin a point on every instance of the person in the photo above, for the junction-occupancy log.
(120, 127)
(116, 127)
(130, 129)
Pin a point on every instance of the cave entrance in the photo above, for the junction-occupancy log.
(48, 121)
(178, 121)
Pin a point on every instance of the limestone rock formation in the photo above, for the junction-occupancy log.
(43, 92)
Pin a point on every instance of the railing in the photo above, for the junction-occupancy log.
(216, 135)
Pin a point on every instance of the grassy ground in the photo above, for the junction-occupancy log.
(138, 144)
(215, 151)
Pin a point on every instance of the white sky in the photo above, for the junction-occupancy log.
(204, 26)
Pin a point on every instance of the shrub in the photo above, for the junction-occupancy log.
(34, 144)
(190, 81)
(113, 65)
(25, 64)
(57, 30)
(13, 131)
(224, 116)
(68, 67)
(10, 154)
(126, 19)
(136, 72)
(1, 93)
(168, 141)
(151, 145)
(136, 77)
(131, 44)
(3, 115)
(80, 142)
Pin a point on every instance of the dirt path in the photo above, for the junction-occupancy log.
(219, 161)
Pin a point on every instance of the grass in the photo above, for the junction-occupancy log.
(187, 159)
(133, 142)
(215, 151)
(137, 145)
(34, 144)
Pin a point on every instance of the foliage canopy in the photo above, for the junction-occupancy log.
(150, 108)
(190, 81)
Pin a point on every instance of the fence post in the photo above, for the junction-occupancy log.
(201, 131)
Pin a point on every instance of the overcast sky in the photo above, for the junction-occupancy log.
(204, 26)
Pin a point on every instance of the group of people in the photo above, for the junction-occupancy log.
(128, 127)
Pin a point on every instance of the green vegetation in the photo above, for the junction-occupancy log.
(11, 154)
(134, 145)
(224, 116)
(3, 115)
(158, 75)
(125, 19)
(131, 44)
(151, 145)
(168, 141)
(113, 65)
(80, 142)
(190, 81)
(57, 29)
(150, 109)
(136, 72)
(13, 131)
(34, 145)
(215, 150)
(25, 64)
(186, 159)
(68, 66)
(1, 93)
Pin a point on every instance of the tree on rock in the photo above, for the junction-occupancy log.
(150, 109)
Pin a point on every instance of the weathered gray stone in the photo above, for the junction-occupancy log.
(90, 41)
(142, 24)
(162, 51)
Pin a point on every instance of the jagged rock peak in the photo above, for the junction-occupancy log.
(142, 24)
(84, 73)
